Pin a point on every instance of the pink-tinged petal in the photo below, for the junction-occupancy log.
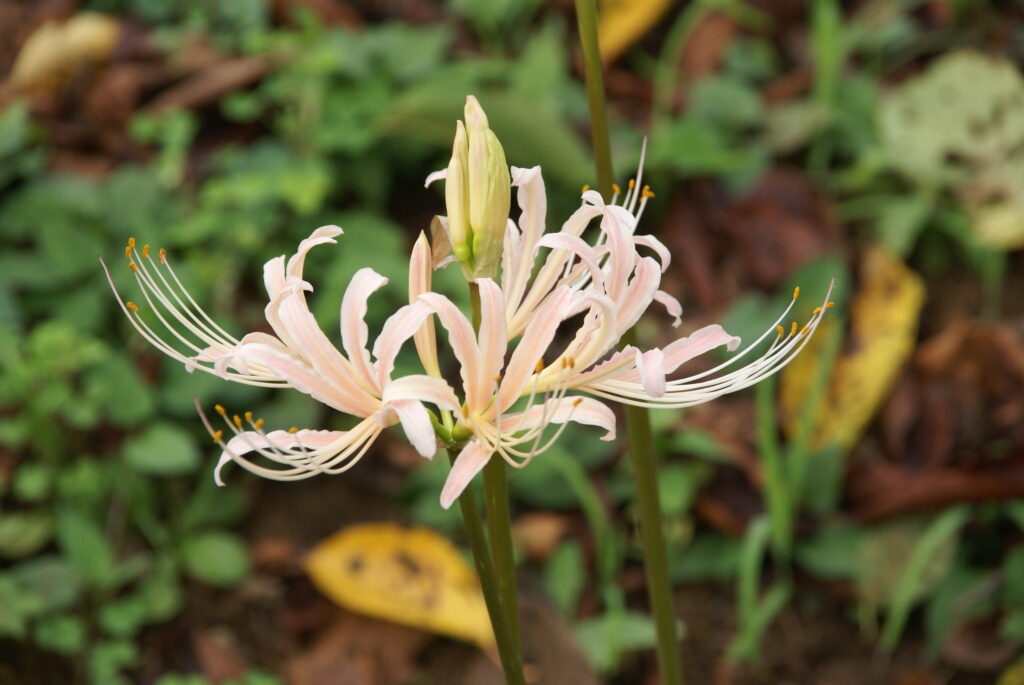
(533, 206)
(439, 175)
(273, 277)
(580, 248)
(305, 379)
(306, 339)
(470, 461)
(325, 235)
(582, 410)
(651, 366)
(436, 391)
(639, 294)
(415, 422)
(511, 254)
(354, 333)
(649, 241)
(535, 341)
(460, 336)
(399, 327)
(672, 306)
(696, 344)
(420, 278)
(622, 254)
(493, 340)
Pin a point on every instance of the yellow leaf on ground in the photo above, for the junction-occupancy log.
(622, 22)
(411, 576)
(883, 328)
(54, 51)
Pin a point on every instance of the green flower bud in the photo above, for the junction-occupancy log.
(478, 195)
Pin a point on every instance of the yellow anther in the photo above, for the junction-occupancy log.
(796, 292)
(805, 328)
(817, 310)
(258, 424)
(497, 378)
(585, 188)
(237, 420)
(248, 417)
(217, 435)
(293, 429)
(131, 243)
(830, 305)
(220, 409)
(128, 252)
(132, 306)
(631, 184)
(792, 329)
(646, 192)
(163, 256)
(572, 362)
(540, 366)
(563, 362)
(780, 330)
(133, 267)
(616, 189)
(145, 251)
(577, 402)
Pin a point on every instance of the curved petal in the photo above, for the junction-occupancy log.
(649, 241)
(470, 461)
(638, 295)
(460, 336)
(533, 206)
(697, 343)
(415, 422)
(303, 454)
(651, 366)
(535, 341)
(672, 306)
(322, 236)
(579, 247)
(354, 333)
(424, 389)
(420, 277)
(306, 379)
(493, 341)
(583, 410)
(399, 327)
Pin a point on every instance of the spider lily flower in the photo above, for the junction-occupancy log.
(611, 284)
(300, 356)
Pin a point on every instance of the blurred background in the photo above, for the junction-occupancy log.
(856, 520)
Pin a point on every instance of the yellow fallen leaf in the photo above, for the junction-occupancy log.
(1013, 675)
(1000, 225)
(54, 50)
(622, 22)
(411, 576)
(883, 328)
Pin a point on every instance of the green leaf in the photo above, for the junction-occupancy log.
(678, 484)
(710, 556)
(51, 578)
(107, 659)
(603, 638)
(162, 450)
(726, 100)
(565, 577)
(123, 617)
(23, 533)
(118, 387)
(216, 557)
(61, 634)
(831, 553)
(85, 546)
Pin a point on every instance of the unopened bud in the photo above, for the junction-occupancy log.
(478, 195)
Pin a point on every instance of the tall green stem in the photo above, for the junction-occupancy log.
(499, 523)
(638, 422)
(508, 641)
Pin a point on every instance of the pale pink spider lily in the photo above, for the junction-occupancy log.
(299, 356)
(612, 285)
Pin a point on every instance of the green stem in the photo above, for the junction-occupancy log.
(638, 422)
(499, 525)
(508, 644)
(586, 20)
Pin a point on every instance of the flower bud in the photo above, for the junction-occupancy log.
(478, 195)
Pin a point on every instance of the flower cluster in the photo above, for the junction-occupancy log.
(544, 351)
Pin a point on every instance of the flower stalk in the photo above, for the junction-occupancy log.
(638, 422)
(505, 634)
